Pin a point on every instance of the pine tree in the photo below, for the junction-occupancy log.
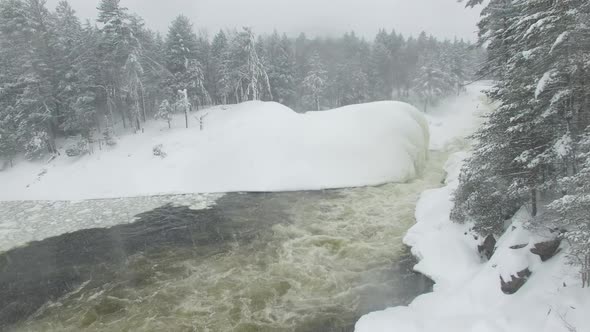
(535, 146)
(181, 45)
(570, 214)
(181, 61)
(132, 76)
(165, 112)
(183, 104)
(218, 53)
(281, 68)
(381, 67)
(8, 139)
(116, 42)
(77, 96)
(432, 83)
(247, 74)
(316, 80)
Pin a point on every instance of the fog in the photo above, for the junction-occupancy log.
(442, 18)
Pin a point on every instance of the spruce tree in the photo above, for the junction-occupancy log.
(316, 80)
(281, 68)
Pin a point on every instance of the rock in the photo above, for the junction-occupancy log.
(488, 247)
(546, 250)
(519, 246)
(512, 286)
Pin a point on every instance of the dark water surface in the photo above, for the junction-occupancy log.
(301, 261)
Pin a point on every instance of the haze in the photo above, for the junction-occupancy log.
(442, 18)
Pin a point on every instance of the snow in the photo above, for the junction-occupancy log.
(540, 25)
(544, 81)
(254, 146)
(563, 146)
(467, 295)
(559, 40)
(26, 221)
(457, 117)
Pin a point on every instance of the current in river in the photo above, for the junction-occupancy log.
(296, 261)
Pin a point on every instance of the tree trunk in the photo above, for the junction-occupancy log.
(124, 121)
(186, 117)
(534, 202)
(143, 104)
(97, 120)
(317, 102)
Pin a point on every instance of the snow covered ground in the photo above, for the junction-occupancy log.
(467, 295)
(254, 146)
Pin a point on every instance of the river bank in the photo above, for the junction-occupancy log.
(467, 295)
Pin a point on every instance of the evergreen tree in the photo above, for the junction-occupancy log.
(534, 147)
(132, 73)
(381, 67)
(281, 69)
(316, 80)
(218, 54)
(165, 112)
(116, 42)
(78, 99)
(247, 74)
(181, 61)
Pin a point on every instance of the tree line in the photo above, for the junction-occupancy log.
(534, 150)
(60, 77)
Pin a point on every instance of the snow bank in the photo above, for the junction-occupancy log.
(254, 146)
(467, 295)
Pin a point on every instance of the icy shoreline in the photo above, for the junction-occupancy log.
(467, 296)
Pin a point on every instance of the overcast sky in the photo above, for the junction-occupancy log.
(442, 18)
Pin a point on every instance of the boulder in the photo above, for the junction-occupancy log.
(546, 250)
(516, 282)
(488, 247)
(519, 246)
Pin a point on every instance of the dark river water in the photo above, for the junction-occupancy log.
(300, 261)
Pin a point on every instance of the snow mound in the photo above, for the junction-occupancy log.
(254, 146)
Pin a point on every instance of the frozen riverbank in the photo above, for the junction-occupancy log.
(467, 295)
(253, 146)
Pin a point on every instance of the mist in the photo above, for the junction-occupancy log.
(441, 18)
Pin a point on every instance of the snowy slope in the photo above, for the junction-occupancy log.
(254, 146)
(467, 295)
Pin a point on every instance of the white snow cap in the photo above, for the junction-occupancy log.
(254, 146)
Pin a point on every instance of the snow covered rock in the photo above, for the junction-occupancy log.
(487, 248)
(512, 285)
(547, 249)
(253, 146)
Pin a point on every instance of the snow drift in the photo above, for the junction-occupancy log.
(467, 295)
(254, 146)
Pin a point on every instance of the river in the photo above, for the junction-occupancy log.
(298, 261)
